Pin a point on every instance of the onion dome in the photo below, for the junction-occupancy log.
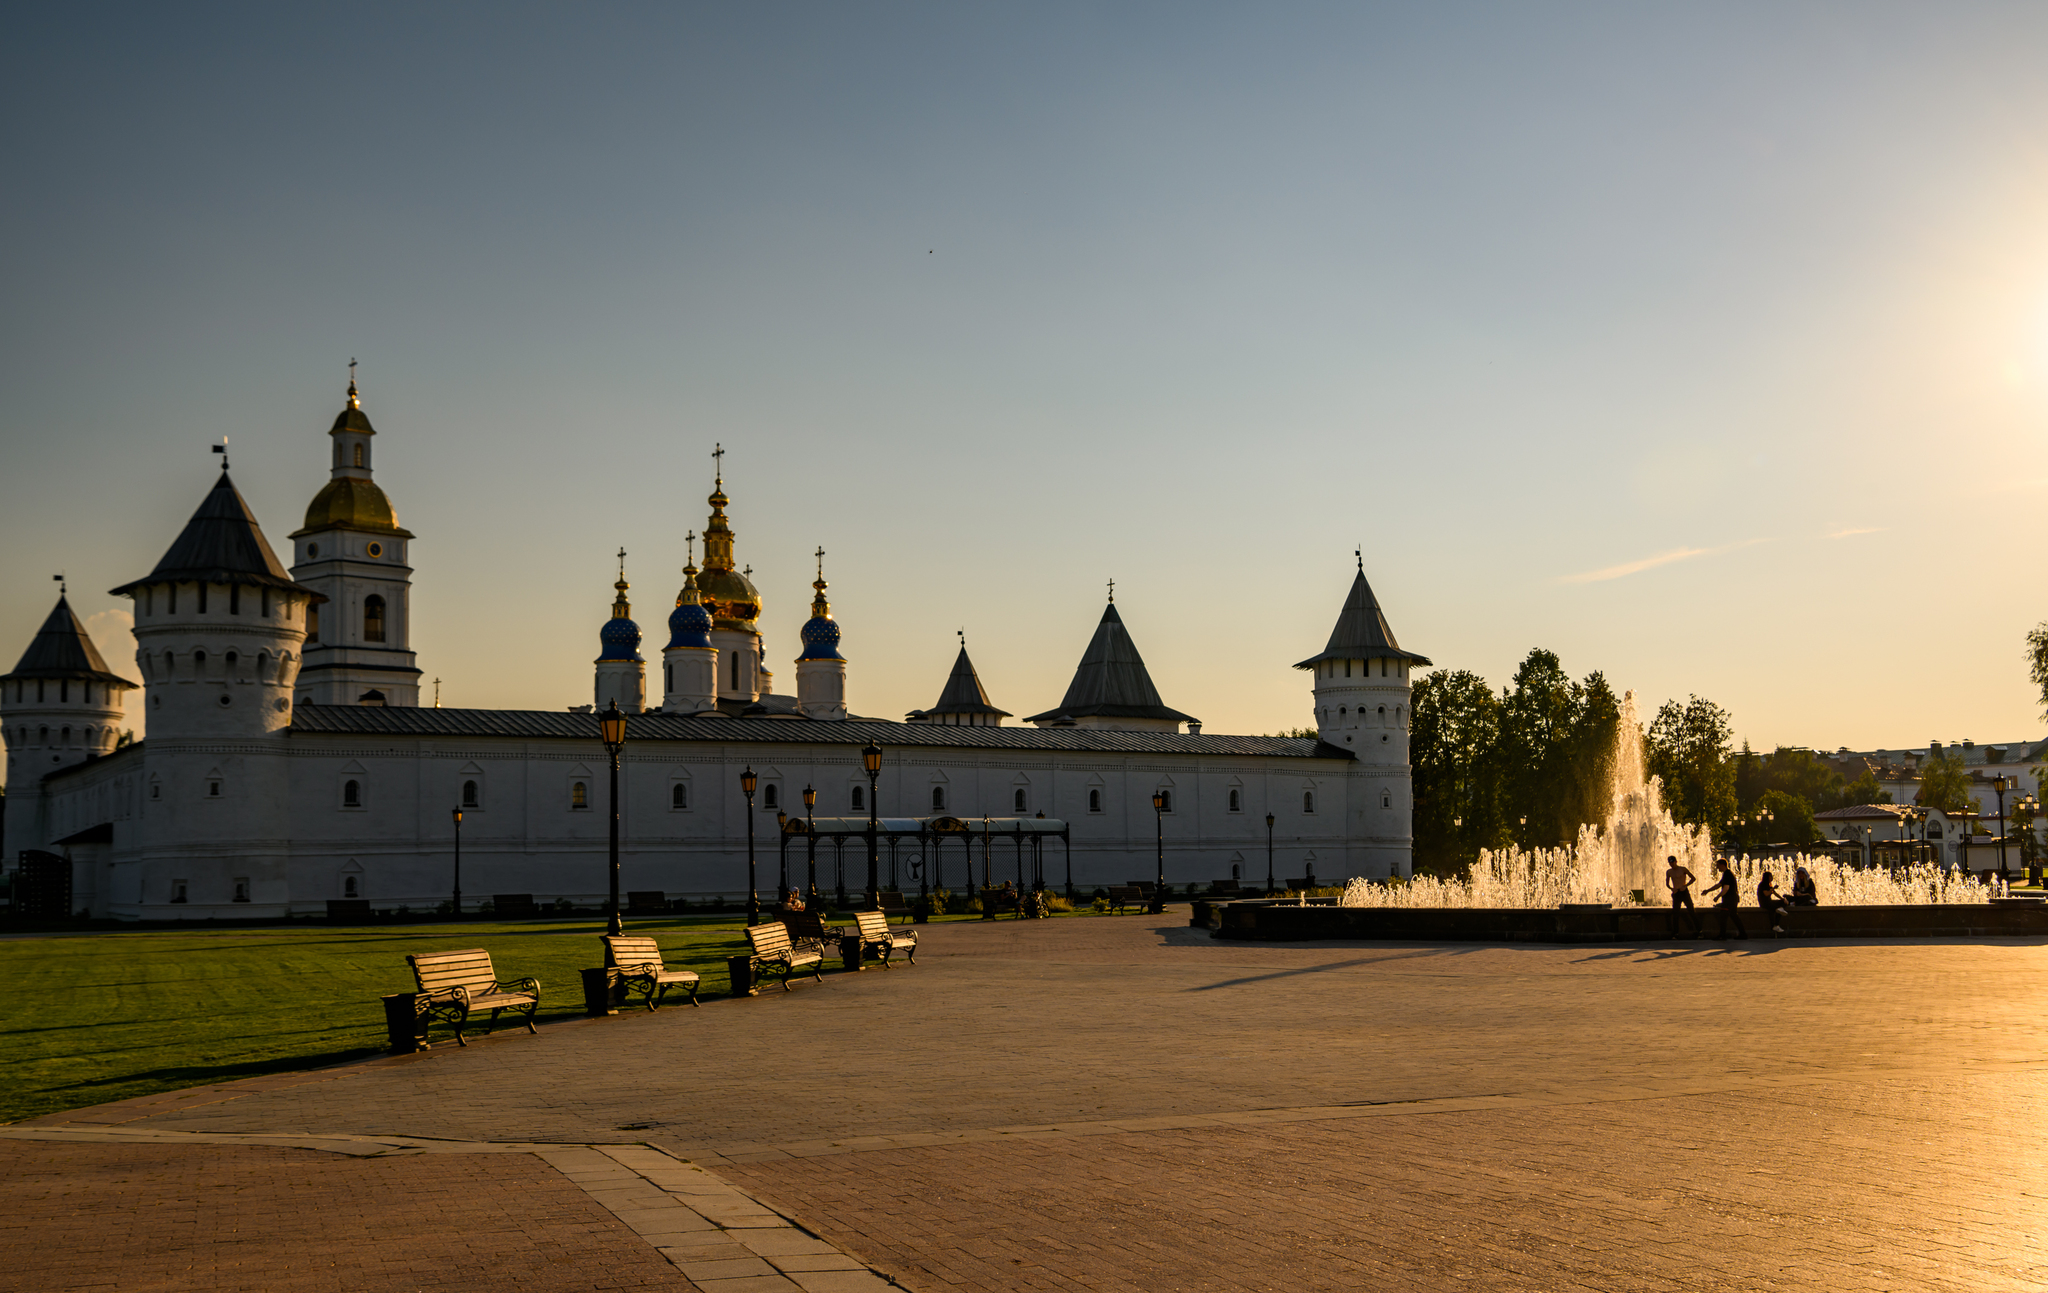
(820, 633)
(689, 624)
(620, 636)
(729, 596)
(351, 500)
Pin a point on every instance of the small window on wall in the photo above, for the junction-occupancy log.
(769, 797)
(241, 888)
(1018, 804)
(1236, 801)
(178, 890)
(469, 794)
(679, 796)
(579, 795)
(351, 794)
(1166, 801)
(1095, 801)
(859, 801)
(348, 886)
(938, 799)
(1308, 801)
(213, 788)
(313, 623)
(373, 618)
(1386, 799)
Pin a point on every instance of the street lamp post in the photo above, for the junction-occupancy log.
(811, 829)
(458, 863)
(1159, 824)
(747, 783)
(1269, 855)
(2002, 784)
(871, 760)
(612, 728)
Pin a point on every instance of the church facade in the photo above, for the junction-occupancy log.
(289, 762)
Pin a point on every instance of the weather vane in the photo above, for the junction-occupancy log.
(222, 450)
(63, 588)
(1359, 552)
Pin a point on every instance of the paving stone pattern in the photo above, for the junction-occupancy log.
(1128, 1104)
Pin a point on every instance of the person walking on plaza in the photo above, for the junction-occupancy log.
(1726, 894)
(1679, 881)
(1772, 902)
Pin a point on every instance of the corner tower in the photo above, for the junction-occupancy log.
(352, 552)
(61, 705)
(1361, 692)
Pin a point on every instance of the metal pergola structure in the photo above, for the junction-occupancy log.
(922, 845)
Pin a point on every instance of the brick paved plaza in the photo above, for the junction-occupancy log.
(1127, 1104)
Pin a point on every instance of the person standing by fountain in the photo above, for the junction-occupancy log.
(1679, 881)
(1726, 894)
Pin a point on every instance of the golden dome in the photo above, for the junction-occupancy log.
(730, 597)
(348, 503)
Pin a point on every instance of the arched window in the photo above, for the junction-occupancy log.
(231, 659)
(1236, 803)
(313, 623)
(373, 618)
(171, 595)
(938, 799)
(1095, 801)
(768, 796)
(67, 736)
(469, 794)
(42, 736)
(735, 671)
(679, 795)
(579, 795)
(263, 666)
(359, 455)
(1383, 715)
(1017, 800)
(198, 663)
(1166, 801)
(860, 798)
(351, 794)
(1386, 799)
(1308, 801)
(1340, 711)
(348, 886)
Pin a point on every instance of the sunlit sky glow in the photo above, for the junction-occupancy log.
(1704, 346)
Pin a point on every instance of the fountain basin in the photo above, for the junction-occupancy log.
(1264, 922)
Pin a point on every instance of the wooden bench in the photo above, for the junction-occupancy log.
(808, 929)
(875, 935)
(1126, 895)
(638, 961)
(772, 946)
(893, 905)
(455, 985)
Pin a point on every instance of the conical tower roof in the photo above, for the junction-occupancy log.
(964, 693)
(63, 649)
(1112, 681)
(1362, 632)
(221, 544)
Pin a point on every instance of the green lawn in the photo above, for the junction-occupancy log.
(98, 1017)
(105, 1016)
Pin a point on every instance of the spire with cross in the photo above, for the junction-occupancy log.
(353, 401)
(1112, 590)
(718, 464)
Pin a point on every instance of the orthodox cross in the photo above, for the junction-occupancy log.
(718, 461)
(691, 540)
(1112, 590)
(437, 693)
(622, 565)
(820, 554)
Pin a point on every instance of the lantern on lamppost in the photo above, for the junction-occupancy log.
(1159, 823)
(458, 862)
(611, 726)
(747, 783)
(811, 829)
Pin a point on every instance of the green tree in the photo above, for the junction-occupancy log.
(1945, 784)
(1453, 738)
(2037, 661)
(1790, 820)
(1864, 790)
(1687, 746)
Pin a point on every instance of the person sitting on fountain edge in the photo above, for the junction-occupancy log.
(1804, 894)
(1773, 903)
(1679, 880)
(1726, 894)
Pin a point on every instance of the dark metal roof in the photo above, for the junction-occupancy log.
(221, 544)
(1111, 681)
(964, 693)
(63, 649)
(1362, 632)
(547, 724)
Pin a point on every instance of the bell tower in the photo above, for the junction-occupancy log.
(352, 552)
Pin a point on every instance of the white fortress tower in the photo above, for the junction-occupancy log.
(352, 552)
(1361, 694)
(60, 706)
(735, 608)
(621, 672)
(821, 670)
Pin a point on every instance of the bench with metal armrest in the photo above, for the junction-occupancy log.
(772, 947)
(638, 961)
(455, 985)
(1126, 895)
(876, 935)
(808, 929)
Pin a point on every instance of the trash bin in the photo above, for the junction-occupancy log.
(850, 952)
(741, 970)
(600, 991)
(404, 1026)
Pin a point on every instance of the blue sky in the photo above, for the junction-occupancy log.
(1707, 347)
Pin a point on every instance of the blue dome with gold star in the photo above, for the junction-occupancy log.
(689, 625)
(820, 633)
(619, 639)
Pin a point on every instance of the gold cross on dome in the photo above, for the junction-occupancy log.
(1112, 590)
(820, 554)
(718, 462)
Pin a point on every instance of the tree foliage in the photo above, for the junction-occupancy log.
(1687, 746)
(2037, 661)
(1945, 784)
